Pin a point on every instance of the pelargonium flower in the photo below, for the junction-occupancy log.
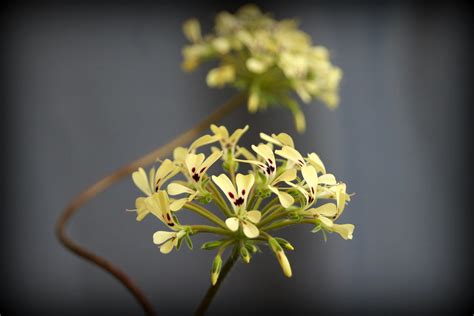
(267, 58)
(243, 197)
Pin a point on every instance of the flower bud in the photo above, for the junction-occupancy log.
(244, 253)
(211, 245)
(284, 243)
(281, 257)
(216, 269)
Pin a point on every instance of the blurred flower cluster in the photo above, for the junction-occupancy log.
(249, 194)
(266, 58)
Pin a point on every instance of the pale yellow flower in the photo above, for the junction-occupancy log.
(167, 240)
(268, 187)
(267, 58)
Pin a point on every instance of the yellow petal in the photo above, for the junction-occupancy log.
(141, 181)
(281, 139)
(345, 230)
(291, 154)
(224, 183)
(244, 185)
(254, 216)
(140, 206)
(167, 247)
(209, 161)
(310, 175)
(232, 223)
(178, 188)
(202, 141)
(316, 162)
(256, 66)
(327, 178)
(192, 30)
(286, 200)
(176, 205)
(327, 210)
(287, 175)
(237, 134)
(160, 237)
(220, 131)
(250, 230)
(166, 170)
(253, 102)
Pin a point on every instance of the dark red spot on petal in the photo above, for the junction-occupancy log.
(231, 195)
(193, 170)
(239, 201)
(202, 170)
(196, 177)
(243, 192)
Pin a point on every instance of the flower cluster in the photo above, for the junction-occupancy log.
(255, 192)
(266, 58)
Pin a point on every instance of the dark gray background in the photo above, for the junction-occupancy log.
(91, 87)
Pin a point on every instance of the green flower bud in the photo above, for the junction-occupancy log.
(281, 256)
(244, 253)
(284, 243)
(216, 269)
(211, 245)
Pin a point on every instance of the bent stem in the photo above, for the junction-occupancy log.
(101, 185)
(211, 292)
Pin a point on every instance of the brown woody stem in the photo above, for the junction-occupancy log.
(101, 185)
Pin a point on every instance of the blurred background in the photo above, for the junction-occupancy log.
(89, 87)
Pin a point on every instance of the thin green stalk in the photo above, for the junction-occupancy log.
(211, 292)
(210, 229)
(205, 213)
(278, 212)
(287, 222)
(269, 205)
(257, 203)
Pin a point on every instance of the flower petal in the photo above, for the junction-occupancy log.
(178, 188)
(287, 175)
(203, 140)
(232, 223)
(327, 210)
(141, 181)
(166, 170)
(176, 205)
(250, 230)
(281, 139)
(345, 230)
(316, 162)
(167, 247)
(209, 161)
(160, 237)
(244, 185)
(193, 162)
(224, 183)
(310, 175)
(286, 199)
(327, 178)
(254, 216)
(291, 154)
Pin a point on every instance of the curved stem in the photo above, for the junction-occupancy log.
(205, 213)
(103, 184)
(211, 292)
